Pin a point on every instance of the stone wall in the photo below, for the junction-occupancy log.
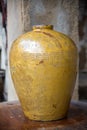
(83, 50)
(14, 29)
(63, 14)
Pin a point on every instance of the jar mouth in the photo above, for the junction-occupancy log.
(42, 27)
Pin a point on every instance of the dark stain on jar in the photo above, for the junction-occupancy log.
(41, 62)
(54, 105)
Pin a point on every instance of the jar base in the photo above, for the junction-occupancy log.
(44, 118)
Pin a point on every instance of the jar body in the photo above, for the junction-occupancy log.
(43, 66)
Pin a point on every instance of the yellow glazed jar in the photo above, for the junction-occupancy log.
(43, 66)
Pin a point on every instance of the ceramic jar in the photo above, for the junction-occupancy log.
(43, 66)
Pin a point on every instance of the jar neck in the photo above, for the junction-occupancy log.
(35, 27)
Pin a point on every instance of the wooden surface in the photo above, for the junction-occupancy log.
(12, 118)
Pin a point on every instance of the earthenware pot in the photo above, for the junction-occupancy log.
(43, 66)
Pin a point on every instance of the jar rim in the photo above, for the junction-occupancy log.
(42, 26)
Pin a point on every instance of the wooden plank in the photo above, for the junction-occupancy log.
(12, 118)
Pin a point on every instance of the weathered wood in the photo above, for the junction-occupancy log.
(12, 118)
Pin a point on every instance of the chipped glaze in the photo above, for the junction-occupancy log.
(43, 66)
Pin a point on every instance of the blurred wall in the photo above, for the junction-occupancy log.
(14, 29)
(83, 50)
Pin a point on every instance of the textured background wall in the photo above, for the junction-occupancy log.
(83, 34)
(14, 29)
(83, 49)
(63, 14)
